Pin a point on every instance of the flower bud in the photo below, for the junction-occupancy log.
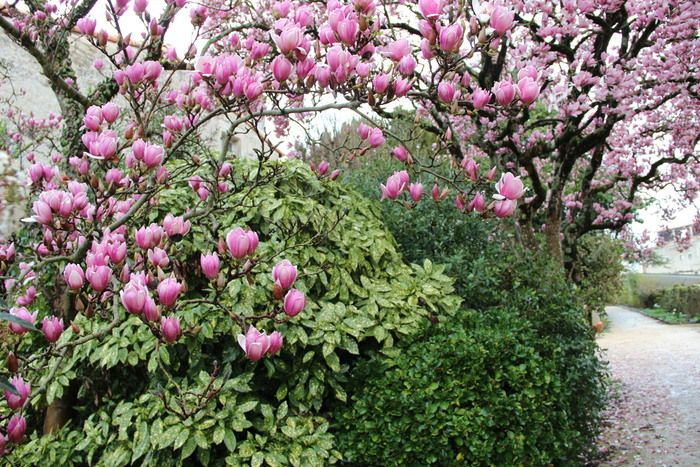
(294, 302)
(170, 328)
(52, 327)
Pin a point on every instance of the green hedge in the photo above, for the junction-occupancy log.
(480, 390)
(517, 384)
(683, 298)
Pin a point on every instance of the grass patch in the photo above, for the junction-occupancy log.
(669, 317)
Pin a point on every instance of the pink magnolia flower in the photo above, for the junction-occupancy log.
(322, 168)
(376, 137)
(134, 296)
(528, 72)
(491, 174)
(21, 313)
(23, 388)
(168, 291)
(501, 19)
(238, 243)
(294, 302)
(510, 187)
(284, 274)
(289, 40)
(74, 276)
(158, 257)
(347, 31)
(430, 9)
(98, 277)
(363, 130)
(529, 90)
(415, 190)
(86, 26)
(459, 202)
(16, 428)
(478, 203)
(276, 341)
(254, 343)
(210, 265)
(110, 112)
(446, 91)
(407, 65)
(504, 208)
(176, 226)
(170, 328)
(504, 92)
(281, 68)
(381, 83)
(150, 310)
(480, 98)
(471, 168)
(253, 241)
(401, 153)
(398, 49)
(395, 185)
(402, 86)
(450, 37)
(52, 327)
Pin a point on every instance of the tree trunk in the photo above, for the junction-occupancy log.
(553, 237)
(58, 413)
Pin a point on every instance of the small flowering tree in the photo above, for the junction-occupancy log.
(102, 243)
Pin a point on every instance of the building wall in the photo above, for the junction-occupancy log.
(678, 262)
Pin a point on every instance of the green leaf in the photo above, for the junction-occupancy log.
(182, 437)
(188, 448)
(257, 459)
(219, 434)
(5, 385)
(246, 406)
(4, 316)
(141, 441)
(230, 440)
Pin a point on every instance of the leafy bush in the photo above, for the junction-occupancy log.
(599, 270)
(682, 298)
(466, 244)
(149, 404)
(520, 384)
(477, 391)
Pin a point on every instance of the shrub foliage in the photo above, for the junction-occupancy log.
(199, 400)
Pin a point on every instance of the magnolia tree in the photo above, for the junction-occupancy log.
(590, 100)
(94, 172)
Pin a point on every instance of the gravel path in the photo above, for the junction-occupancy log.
(655, 418)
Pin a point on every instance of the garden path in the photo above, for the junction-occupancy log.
(655, 417)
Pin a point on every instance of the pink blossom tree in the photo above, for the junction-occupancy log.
(589, 101)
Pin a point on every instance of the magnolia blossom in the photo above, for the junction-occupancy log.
(170, 328)
(210, 265)
(74, 276)
(16, 428)
(415, 190)
(168, 291)
(504, 208)
(395, 185)
(24, 314)
(284, 274)
(294, 302)
(257, 344)
(510, 187)
(52, 327)
(23, 388)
